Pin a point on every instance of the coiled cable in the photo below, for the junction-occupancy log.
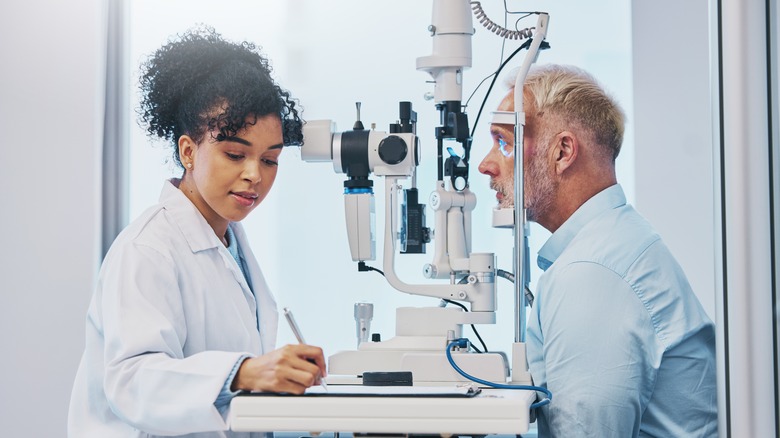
(501, 31)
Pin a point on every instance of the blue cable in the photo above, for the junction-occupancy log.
(462, 344)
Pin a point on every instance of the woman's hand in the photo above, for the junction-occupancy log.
(291, 369)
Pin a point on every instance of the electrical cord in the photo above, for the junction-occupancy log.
(525, 45)
(487, 94)
(462, 343)
(519, 34)
(472, 327)
(363, 267)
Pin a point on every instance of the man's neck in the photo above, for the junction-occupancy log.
(570, 196)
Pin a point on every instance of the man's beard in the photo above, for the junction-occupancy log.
(540, 187)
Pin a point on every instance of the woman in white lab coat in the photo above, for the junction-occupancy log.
(182, 318)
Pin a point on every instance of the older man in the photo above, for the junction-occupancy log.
(616, 332)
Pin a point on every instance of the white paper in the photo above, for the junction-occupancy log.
(360, 390)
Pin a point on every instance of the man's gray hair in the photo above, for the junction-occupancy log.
(573, 96)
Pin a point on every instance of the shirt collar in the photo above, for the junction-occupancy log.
(608, 199)
(232, 244)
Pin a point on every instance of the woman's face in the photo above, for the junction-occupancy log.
(227, 179)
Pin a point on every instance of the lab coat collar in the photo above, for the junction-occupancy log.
(199, 234)
(610, 198)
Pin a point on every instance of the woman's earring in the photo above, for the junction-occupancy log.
(189, 165)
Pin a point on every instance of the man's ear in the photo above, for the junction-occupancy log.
(187, 148)
(565, 151)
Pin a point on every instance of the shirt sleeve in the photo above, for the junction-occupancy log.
(226, 395)
(600, 354)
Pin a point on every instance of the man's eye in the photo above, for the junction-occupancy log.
(505, 148)
(234, 156)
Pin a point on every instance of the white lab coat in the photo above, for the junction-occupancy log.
(171, 315)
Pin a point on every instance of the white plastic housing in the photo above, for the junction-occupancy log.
(360, 216)
(318, 140)
(452, 30)
(503, 218)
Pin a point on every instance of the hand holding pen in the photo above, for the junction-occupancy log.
(299, 336)
(290, 369)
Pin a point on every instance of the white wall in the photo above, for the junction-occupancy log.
(673, 134)
(49, 101)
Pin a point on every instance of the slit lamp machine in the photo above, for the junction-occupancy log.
(429, 339)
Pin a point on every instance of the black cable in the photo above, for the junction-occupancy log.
(493, 82)
(455, 303)
(479, 337)
(363, 267)
(481, 341)
(467, 153)
(465, 105)
(500, 58)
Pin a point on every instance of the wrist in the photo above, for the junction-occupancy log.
(237, 383)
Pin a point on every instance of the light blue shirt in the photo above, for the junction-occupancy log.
(226, 394)
(616, 332)
(235, 251)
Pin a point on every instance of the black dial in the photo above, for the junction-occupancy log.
(393, 150)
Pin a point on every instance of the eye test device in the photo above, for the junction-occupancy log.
(454, 273)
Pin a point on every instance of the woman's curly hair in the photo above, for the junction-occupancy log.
(201, 83)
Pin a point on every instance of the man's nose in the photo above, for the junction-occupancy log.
(488, 166)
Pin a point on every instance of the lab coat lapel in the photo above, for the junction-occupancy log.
(200, 237)
(266, 304)
(232, 266)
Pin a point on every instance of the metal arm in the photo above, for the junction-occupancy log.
(479, 290)
(521, 230)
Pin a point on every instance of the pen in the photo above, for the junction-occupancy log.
(297, 332)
